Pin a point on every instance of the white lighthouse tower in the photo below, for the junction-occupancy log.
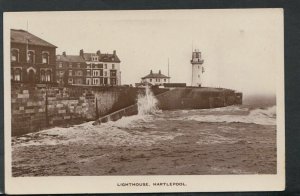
(197, 68)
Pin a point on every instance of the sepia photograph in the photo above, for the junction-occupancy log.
(158, 99)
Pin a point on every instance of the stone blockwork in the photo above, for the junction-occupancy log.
(36, 108)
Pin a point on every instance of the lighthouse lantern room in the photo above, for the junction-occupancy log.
(197, 68)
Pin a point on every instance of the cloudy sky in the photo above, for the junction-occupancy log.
(242, 49)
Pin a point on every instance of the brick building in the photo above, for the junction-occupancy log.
(70, 69)
(32, 58)
(93, 69)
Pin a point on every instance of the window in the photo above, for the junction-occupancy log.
(61, 73)
(165, 80)
(70, 72)
(105, 66)
(78, 81)
(113, 73)
(94, 58)
(17, 75)
(70, 80)
(79, 73)
(112, 81)
(88, 81)
(78, 65)
(113, 66)
(88, 73)
(101, 66)
(105, 81)
(15, 55)
(45, 58)
(105, 73)
(30, 56)
(150, 79)
(88, 66)
(70, 65)
(48, 76)
(60, 65)
(43, 76)
(95, 73)
(198, 67)
(95, 81)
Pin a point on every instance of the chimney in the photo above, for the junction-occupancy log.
(159, 72)
(81, 52)
(151, 71)
(115, 53)
(64, 53)
(98, 52)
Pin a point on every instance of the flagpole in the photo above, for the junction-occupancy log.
(168, 71)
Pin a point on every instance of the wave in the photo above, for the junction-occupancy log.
(259, 116)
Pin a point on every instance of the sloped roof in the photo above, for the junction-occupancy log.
(70, 58)
(102, 57)
(21, 36)
(155, 75)
(109, 58)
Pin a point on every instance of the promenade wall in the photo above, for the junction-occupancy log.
(35, 108)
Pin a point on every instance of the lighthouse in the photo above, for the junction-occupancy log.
(197, 68)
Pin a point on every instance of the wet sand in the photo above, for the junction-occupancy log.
(174, 148)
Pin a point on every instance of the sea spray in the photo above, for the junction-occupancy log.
(147, 103)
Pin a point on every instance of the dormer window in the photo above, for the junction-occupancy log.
(30, 56)
(94, 58)
(15, 55)
(45, 58)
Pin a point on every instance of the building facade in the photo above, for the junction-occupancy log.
(197, 68)
(70, 69)
(32, 58)
(102, 69)
(92, 69)
(155, 79)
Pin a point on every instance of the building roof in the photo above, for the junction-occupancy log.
(102, 57)
(21, 36)
(70, 58)
(155, 75)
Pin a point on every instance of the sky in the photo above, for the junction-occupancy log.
(242, 49)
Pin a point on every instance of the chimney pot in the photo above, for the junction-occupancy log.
(151, 71)
(64, 53)
(98, 52)
(81, 52)
(159, 72)
(115, 52)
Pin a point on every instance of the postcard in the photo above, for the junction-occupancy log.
(144, 101)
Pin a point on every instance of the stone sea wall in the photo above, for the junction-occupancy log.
(36, 108)
(183, 98)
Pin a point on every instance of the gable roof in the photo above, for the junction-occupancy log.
(21, 36)
(70, 58)
(155, 75)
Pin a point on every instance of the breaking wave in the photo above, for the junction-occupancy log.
(147, 103)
